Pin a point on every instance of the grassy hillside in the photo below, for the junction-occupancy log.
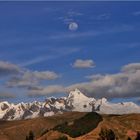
(13, 130)
(88, 125)
(121, 125)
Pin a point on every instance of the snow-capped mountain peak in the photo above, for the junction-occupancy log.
(76, 101)
(77, 94)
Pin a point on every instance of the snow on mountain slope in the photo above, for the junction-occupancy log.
(79, 101)
(76, 101)
(3, 108)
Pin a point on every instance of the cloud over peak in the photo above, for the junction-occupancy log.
(118, 85)
(79, 63)
(123, 84)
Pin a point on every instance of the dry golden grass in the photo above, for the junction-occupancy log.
(119, 124)
(16, 130)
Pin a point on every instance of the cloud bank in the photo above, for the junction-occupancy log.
(21, 77)
(31, 78)
(123, 84)
(126, 83)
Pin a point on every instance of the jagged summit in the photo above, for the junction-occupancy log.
(79, 101)
(76, 101)
(77, 94)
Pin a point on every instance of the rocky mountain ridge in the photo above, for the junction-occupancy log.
(76, 101)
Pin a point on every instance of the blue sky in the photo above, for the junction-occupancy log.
(35, 37)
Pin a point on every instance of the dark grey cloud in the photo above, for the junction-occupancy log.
(7, 68)
(21, 77)
(21, 81)
(52, 89)
(44, 75)
(31, 78)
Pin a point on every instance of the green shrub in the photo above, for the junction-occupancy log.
(107, 134)
(138, 136)
(62, 138)
(128, 138)
(27, 138)
(43, 132)
(80, 126)
(30, 136)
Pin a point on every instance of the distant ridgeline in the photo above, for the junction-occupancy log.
(76, 101)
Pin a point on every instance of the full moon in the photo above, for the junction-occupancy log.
(73, 26)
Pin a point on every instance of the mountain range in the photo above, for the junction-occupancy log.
(75, 101)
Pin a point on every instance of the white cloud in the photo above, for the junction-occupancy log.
(40, 75)
(95, 77)
(133, 67)
(79, 63)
